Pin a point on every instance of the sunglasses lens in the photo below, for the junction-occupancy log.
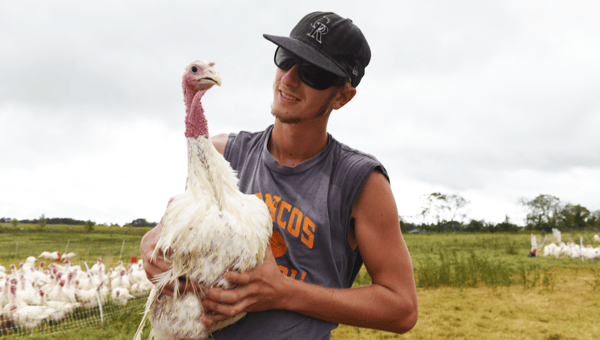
(318, 78)
(284, 60)
(311, 75)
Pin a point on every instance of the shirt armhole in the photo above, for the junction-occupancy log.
(229, 145)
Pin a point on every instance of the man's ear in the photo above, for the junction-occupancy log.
(344, 95)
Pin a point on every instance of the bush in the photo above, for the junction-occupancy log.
(89, 226)
(42, 222)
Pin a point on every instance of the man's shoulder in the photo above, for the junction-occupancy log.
(351, 158)
(245, 137)
(240, 144)
(347, 152)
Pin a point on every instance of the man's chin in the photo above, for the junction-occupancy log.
(283, 119)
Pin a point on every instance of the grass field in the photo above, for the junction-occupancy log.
(470, 286)
(16, 244)
(483, 286)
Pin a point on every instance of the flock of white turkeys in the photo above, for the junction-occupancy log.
(572, 249)
(33, 293)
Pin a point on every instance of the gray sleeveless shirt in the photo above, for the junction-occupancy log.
(310, 205)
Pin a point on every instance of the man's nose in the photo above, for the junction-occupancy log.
(291, 78)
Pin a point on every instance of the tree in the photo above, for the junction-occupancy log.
(141, 222)
(574, 217)
(475, 226)
(440, 206)
(542, 212)
(14, 222)
(89, 226)
(42, 222)
(594, 219)
(506, 226)
(405, 227)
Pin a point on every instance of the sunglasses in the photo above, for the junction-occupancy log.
(311, 75)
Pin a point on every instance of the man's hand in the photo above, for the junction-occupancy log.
(261, 288)
(158, 266)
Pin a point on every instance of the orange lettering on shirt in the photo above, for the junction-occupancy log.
(272, 203)
(309, 241)
(259, 195)
(293, 272)
(296, 213)
(284, 206)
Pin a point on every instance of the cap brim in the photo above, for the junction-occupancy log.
(308, 53)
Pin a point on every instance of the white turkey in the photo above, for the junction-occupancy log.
(98, 268)
(121, 281)
(116, 271)
(68, 256)
(210, 229)
(29, 263)
(50, 256)
(120, 296)
(32, 315)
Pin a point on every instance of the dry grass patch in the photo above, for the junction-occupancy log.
(570, 311)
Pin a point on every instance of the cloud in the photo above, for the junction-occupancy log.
(494, 100)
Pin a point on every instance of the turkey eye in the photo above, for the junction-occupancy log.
(194, 69)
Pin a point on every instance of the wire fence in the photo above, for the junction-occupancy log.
(58, 295)
(79, 318)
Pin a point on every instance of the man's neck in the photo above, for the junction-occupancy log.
(292, 144)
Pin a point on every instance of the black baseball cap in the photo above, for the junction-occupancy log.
(330, 42)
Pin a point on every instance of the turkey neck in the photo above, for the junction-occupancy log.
(195, 121)
(201, 177)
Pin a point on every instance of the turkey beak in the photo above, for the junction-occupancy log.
(210, 81)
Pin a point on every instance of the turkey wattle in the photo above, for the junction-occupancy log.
(209, 229)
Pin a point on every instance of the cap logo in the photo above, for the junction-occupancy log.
(319, 28)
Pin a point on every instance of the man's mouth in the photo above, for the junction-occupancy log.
(287, 96)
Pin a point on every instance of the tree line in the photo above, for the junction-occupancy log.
(441, 213)
(55, 220)
(447, 213)
(546, 212)
(43, 221)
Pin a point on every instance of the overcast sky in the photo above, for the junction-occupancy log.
(494, 101)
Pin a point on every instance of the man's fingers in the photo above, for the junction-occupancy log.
(223, 296)
(222, 311)
(238, 278)
(211, 318)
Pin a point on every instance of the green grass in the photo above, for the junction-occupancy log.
(490, 260)
(443, 262)
(16, 244)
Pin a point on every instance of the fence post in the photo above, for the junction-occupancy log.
(123, 245)
(581, 246)
(97, 295)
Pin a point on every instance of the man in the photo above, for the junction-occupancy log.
(332, 206)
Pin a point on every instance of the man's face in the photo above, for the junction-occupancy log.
(295, 102)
